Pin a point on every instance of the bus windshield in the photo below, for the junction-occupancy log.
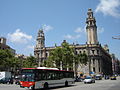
(27, 75)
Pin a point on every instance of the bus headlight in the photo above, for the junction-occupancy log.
(21, 83)
(31, 83)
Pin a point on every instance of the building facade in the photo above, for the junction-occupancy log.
(99, 61)
(115, 65)
(4, 46)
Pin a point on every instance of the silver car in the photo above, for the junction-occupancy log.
(89, 79)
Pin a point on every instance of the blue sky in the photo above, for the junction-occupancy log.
(20, 21)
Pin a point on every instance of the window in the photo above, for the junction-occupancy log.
(46, 54)
(68, 74)
(44, 75)
(83, 51)
(61, 75)
(27, 75)
(97, 51)
(93, 61)
(76, 52)
(52, 75)
(93, 69)
(93, 51)
(99, 69)
(38, 75)
(80, 52)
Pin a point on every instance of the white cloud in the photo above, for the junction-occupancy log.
(109, 7)
(19, 37)
(100, 30)
(68, 36)
(30, 47)
(79, 30)
(47, 28)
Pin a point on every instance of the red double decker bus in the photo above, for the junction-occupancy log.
(43, 77)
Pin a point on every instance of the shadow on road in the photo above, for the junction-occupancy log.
(57, 87)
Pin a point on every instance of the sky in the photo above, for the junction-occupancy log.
(20, 21)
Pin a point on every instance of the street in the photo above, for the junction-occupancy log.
(99, 85)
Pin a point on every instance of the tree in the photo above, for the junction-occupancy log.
(64, 57)
(29, 62)
(55, 58)
(80, 59)
(61, 57)
(3, 59)
(8, 61)
(68, 55)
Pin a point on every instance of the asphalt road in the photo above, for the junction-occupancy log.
(99, 85)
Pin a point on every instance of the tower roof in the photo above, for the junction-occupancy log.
(40, 30)
(90, 18)
(90, 13)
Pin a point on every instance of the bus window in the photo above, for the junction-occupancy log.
(53, 75)
(44, 75)
(56, 75)
(38, 76)
(27, 77)
(61, 75)
(50, 75)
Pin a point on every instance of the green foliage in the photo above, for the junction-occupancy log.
(81, 58)
(30, 62)
(55, 57)
(8, 61)
(65, 55)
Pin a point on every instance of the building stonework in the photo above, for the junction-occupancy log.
(99, 58)
(4, 46)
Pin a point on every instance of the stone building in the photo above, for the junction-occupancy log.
(115, 65)
(99, 58)
(4, 46)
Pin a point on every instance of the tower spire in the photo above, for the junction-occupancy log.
(40, 45)
(91, 28)
(40, 39)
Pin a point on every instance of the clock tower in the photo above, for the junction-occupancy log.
(91, 28)
(40, 45)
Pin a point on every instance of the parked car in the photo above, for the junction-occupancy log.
(98, 77)
(89, 79)
(106, 77)
(113, 78)
(17, 80)
(4, 81)
(79, 79)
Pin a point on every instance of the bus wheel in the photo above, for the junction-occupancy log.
(32, 88)
(66, 83)
(46, 86)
